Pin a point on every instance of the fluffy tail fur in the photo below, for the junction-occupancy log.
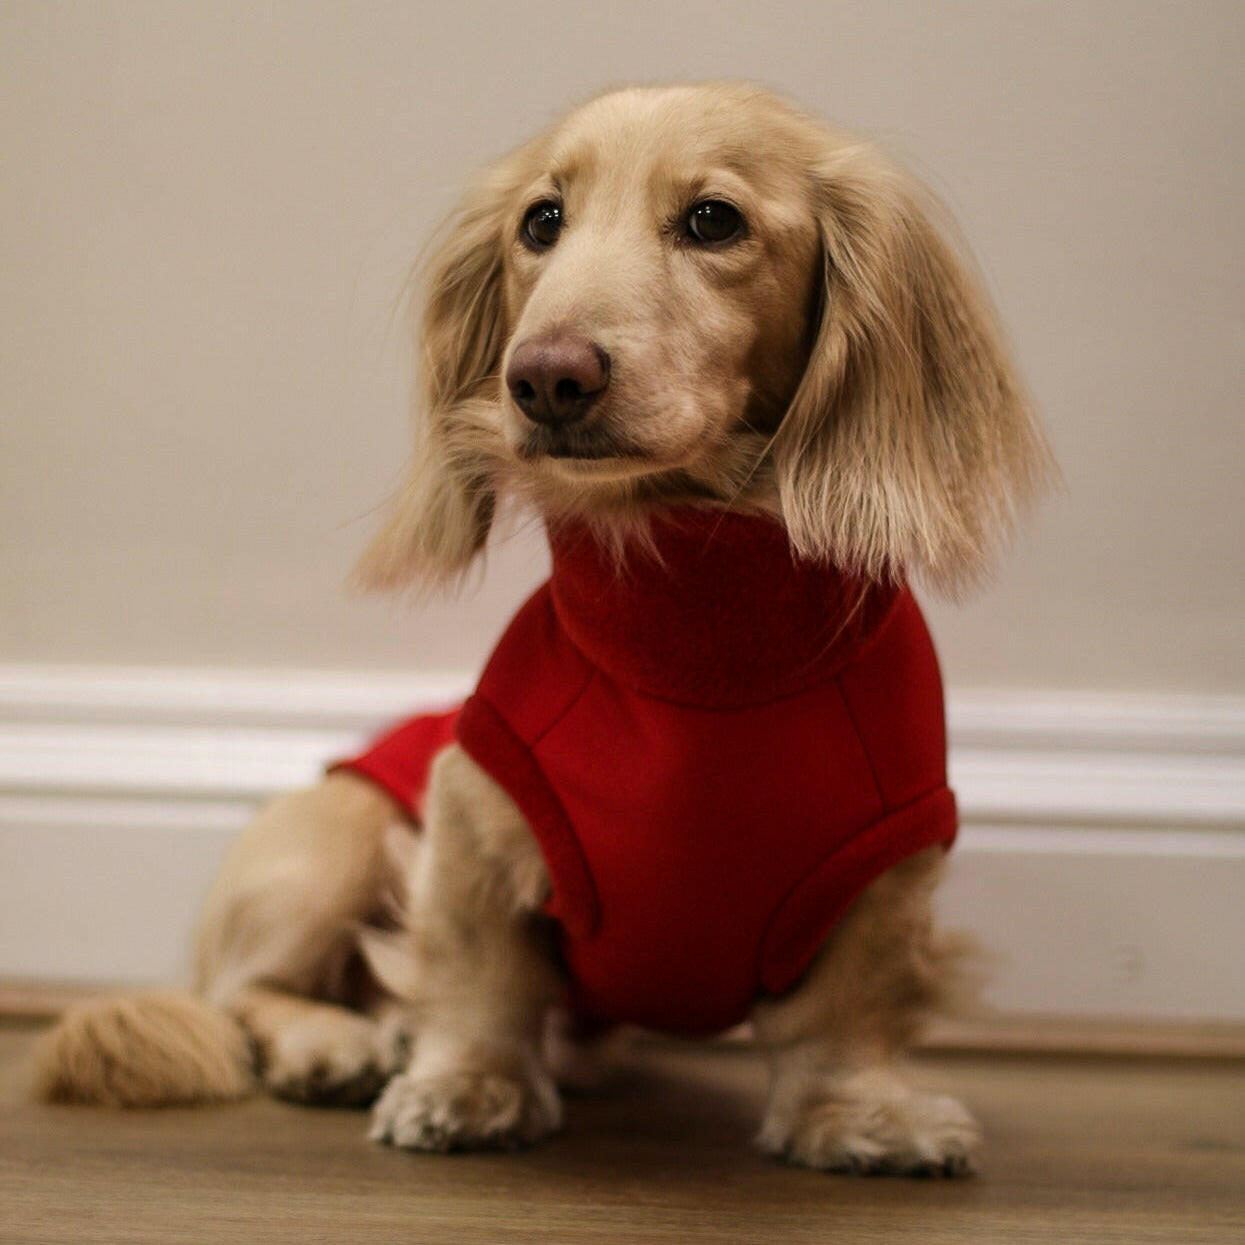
(144, 1051)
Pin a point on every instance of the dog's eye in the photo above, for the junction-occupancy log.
(541, 225)
(713, 220)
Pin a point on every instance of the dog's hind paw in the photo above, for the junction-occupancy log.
(465, 1111)
(874, 1124)
(326, 1059)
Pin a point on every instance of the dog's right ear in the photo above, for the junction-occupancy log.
(441, 517)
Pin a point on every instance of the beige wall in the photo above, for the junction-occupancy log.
(207, 211)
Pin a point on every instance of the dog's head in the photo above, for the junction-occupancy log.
(702, 293)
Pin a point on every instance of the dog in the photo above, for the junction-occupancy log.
(730, 358)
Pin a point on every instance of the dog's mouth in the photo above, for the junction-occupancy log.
(588, 447)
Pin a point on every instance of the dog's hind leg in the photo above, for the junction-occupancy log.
(277, 962)
(318, 1053)
(278, 946)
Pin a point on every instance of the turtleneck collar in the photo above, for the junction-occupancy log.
(714, 612)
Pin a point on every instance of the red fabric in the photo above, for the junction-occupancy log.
(398, 760)
(717, 747)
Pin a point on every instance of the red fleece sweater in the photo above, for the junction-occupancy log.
(717, 747)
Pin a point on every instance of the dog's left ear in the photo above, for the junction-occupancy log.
(441, 517)
(909, 443)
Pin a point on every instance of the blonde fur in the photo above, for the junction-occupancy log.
(910, 444)
(836, 365)
(846, 373)
(836, 1101)
(281, 987)
(149, 1051)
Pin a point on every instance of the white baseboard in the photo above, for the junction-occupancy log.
(1102, 856)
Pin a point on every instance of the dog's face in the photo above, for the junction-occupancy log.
(703, 294)
(659, 286)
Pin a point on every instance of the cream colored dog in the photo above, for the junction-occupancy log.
(783, 330)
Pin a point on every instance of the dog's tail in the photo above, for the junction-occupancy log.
(143, 1051)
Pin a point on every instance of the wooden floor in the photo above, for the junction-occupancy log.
(1126, 1151)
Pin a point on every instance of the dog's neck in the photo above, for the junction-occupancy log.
(714, 610)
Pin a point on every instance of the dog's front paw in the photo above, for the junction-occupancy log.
(874, 1123)
(465, 1111)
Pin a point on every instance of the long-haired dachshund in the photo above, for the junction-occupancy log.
(728, 357)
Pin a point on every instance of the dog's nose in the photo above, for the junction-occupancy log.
(554, 380)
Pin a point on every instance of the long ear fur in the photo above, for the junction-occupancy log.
(909, 443)
(441, 517)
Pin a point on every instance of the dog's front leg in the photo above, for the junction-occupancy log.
(837, 1101)
(475, 963)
